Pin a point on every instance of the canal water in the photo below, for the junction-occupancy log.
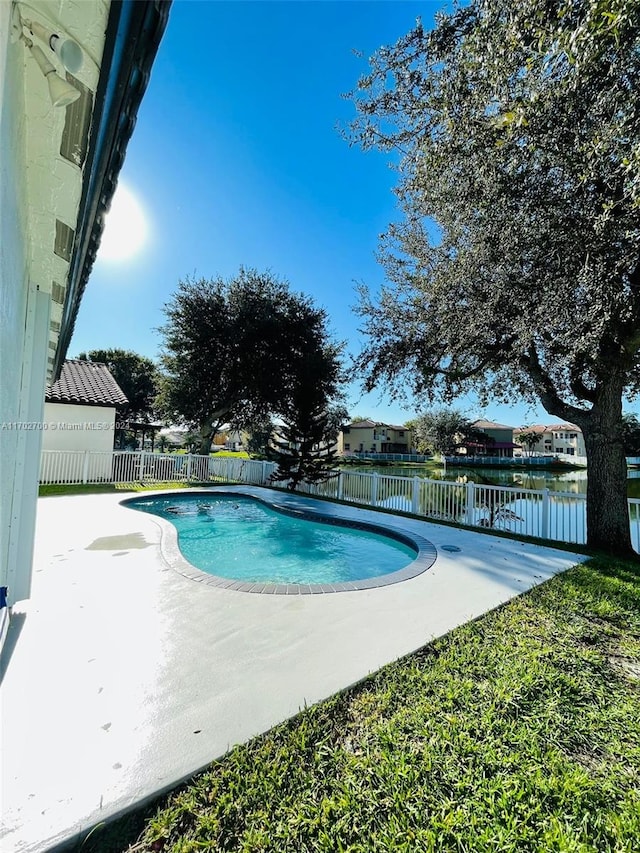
(573, 481)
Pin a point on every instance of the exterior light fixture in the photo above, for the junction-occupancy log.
(61, 93)
(69, 53)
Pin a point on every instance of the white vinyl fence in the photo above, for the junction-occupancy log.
(558, 516)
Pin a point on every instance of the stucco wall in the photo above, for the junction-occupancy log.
(24, 319)
(13, 279)
(71, 427)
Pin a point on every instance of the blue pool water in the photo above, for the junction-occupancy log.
(238, 537)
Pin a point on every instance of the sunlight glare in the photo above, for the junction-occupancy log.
(125, 229)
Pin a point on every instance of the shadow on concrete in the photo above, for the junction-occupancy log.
(15, 627)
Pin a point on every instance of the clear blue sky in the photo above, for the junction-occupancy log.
(236, 160)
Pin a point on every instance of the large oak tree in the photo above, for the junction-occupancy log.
(235, 350)
(516, 268)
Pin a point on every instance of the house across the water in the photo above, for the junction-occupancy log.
(373, 437)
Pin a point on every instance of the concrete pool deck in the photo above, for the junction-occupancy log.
(123, 677)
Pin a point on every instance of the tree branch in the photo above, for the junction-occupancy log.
(547, 392)
(579, 389)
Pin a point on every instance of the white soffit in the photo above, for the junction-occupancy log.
(54, 183)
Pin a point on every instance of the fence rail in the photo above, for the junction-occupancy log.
(557, 516)
(388, 457)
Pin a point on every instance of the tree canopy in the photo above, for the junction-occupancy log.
(631, 434)
(529, 438)
(517, 264)
(444, 429)
(136, 374)
(234, 351)
(439, 430)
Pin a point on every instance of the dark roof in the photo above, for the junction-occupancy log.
(368, 424)
(361, 425)
(483, 424)
(134, 31)
(86, 383)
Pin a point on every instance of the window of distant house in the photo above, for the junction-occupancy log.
(347, 446)
(401, 433)
(573, 435)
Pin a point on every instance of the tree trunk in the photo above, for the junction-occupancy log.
(607, 506)
(206, 438)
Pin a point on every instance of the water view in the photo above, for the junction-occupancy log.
(573, 481)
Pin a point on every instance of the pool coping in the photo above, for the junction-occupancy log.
(299, 507)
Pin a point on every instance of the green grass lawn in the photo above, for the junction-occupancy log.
(517, 732)
(60, 489)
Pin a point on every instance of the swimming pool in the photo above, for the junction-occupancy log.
(242, 542)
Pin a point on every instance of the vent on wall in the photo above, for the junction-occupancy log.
(75, 136)
(64, 240)
(57, 293)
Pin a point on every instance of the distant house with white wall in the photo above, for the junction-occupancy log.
(373, 437)
(553, 438)
(80, 408)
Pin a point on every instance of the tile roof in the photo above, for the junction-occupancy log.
(541, 428)
(483, 424)
(85, 383)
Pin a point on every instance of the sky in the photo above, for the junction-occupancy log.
(237, 160)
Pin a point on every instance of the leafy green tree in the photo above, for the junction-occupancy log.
(135, 374)
(517, 266)
(259, 440)
(138, 378)
(439, 430)
(529, 438)
(233, 351)
(631, 434)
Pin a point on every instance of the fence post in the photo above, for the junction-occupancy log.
(188, 467)
(85, 467)
(470, 515)
(545, 514)
(415, 496)
(374, 488)
(141, 469)
(340, 486)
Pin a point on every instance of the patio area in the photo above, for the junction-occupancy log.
(122, 676)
